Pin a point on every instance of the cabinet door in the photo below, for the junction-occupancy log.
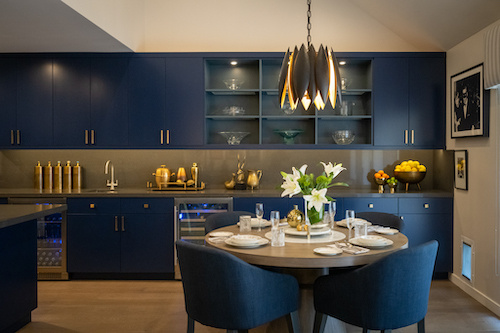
(147, 102)
(185, 106)
(384, 205)
(34, 102)
(390, 78)
(71, 102)
(8, 68)
(147, 243)
(108, 91)
(427, 102)
(93, 244)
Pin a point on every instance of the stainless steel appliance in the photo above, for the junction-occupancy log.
(190, 216)
(51, 240)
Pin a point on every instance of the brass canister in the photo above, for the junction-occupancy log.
(38, 177)
(77, 176)
(162, 176)
(67, 176)
(48, 177)
(195, 174)
(181, 174)
(58, 177)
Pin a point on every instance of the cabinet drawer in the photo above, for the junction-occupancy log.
(371, 205)
(144, 206)
(425, 205)
(93, 205)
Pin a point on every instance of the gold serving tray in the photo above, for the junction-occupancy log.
(180, 186)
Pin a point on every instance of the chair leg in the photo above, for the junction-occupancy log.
(385, 331)
(421, 326)
(319, 322)
(190, 326)
(292, 319)
(365, 330)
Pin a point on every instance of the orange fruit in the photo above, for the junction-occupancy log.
(377, 175)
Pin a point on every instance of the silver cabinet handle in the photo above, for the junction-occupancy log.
(412, 137)
(92, 137)
(406, 137)
(123, 223)
(116, 223)
(161, 137)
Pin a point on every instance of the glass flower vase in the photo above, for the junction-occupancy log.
(312, 215)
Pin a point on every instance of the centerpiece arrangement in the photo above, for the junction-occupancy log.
(312, 189)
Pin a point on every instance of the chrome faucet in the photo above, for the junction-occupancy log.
(110, 182)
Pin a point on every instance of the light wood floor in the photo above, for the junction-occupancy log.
(158, 306)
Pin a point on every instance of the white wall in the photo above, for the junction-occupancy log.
(476, 211)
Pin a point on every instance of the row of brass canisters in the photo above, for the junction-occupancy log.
(58, 177)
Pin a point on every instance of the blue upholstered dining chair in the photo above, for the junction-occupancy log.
(390, 293)
(223, 291)
(384, 219)
(224, 219)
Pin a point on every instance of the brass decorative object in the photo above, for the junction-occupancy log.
(295, 217)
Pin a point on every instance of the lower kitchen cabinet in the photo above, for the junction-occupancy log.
(120, 235)
(382, 205)
(426, 219)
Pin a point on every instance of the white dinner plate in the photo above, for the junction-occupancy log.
(327, 251)
(319, 225)
(221, 234)
(314, 232)
(255, 223)
(386, 231)
(343, 223)
(371, 241)
(259, 241)
(334, 236)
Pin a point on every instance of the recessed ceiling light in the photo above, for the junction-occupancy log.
(234, 63)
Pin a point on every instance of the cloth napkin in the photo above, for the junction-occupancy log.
(349, 248)
(217, 240)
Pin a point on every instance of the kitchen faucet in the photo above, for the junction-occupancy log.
(110, 182)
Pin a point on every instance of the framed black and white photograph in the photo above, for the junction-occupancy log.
(461, 169)
(469, 117)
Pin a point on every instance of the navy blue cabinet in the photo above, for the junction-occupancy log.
(8, 68)
(108, 102)
(120, 235)
(185, 104)
(71, 102)
(147, 102)
(34, 102)
(384, 205)
(409, 102)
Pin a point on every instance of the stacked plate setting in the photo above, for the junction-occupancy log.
(246, 241)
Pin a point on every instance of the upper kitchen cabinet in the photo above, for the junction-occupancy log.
(8, 128)
(72, 127)
(108, 102)
(409, 102)
(147, 102)
(184, 98)
(28, 110)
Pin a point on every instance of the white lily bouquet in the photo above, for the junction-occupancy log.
(313, 189)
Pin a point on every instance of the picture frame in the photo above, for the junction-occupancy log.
(469, 104)
(461, 169)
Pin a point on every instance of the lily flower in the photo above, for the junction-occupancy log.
(291, 186)
(331, 169)
(316, 199)
(301, 171)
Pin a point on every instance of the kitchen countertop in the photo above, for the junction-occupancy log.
(15, 214)
(220, 192)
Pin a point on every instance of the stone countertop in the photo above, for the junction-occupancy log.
(15, 214)
(336, 192)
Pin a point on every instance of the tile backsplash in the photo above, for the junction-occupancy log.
(134, 168)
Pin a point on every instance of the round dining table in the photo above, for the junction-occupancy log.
(300, 260)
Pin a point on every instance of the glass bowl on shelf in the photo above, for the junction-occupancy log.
(234, 138)
(233, 84)
(233, 110)
(343, 137)
(288, 135)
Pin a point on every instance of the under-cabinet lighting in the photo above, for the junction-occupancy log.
(342, 62)
(234, 63)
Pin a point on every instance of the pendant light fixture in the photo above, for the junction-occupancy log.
(309, 77)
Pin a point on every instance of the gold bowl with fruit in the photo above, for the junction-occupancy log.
(410, 172)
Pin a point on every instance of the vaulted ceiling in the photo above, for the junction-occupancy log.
(54, 26)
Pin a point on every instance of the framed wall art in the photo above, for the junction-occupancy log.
(461, 169)
(469, 114)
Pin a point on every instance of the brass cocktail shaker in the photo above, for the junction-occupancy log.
(58, 177)
(48, 177)
(195, 174)
(38, 177)
(67, 177)
(77, 176)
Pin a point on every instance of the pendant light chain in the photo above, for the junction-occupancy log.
(308, 23)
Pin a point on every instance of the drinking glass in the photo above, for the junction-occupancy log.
(349, 220)
(259, 212)
(245, 224)
(332, 209)
(278, 237)
(275, 219)
(360, 229)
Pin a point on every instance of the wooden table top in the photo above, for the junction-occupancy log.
(301, 255)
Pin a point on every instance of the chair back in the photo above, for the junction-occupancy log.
(383, 219)
(223, 291)
(224, 219)
(390, 293)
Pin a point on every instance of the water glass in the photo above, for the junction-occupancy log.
(332, 209)
(349, 220)
(275, 219)
(360, 229)
(278, 237)
(259, 212)
(245, 224)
